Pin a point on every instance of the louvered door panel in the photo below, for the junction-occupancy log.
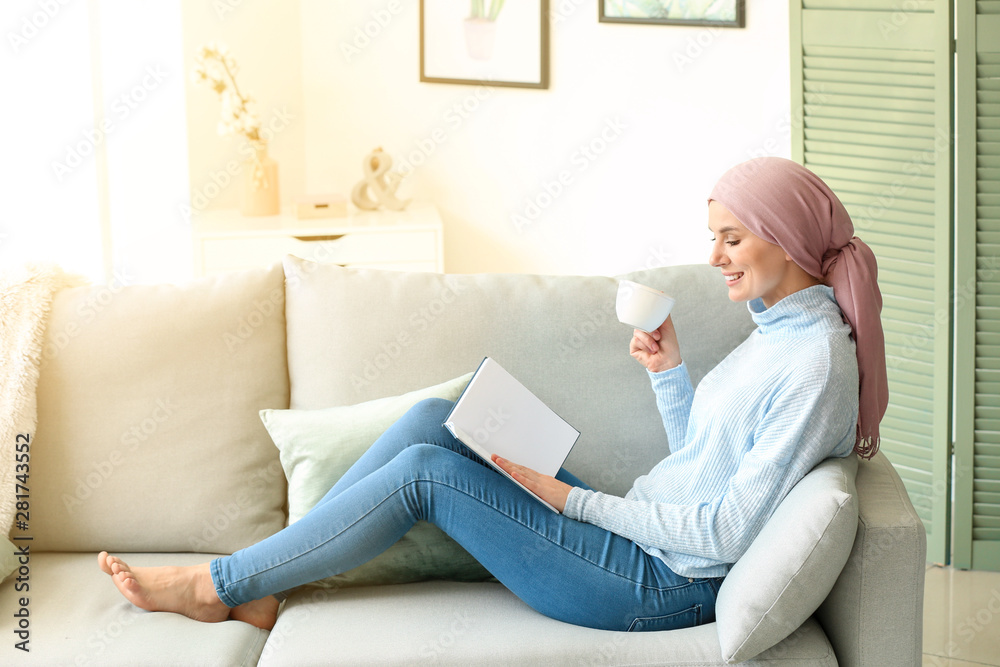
(871, 86)
(977, 446)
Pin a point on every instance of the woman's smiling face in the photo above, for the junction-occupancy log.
(752, 267)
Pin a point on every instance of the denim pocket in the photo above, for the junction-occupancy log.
(681, 619)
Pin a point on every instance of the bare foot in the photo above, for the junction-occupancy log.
(182, 590)
(259, 613)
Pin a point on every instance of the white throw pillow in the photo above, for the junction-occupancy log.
(792, 565)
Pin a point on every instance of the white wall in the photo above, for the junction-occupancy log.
(669, 108)
(678, 104)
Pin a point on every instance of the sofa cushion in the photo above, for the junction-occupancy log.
(148, 431)
(355, 335)
(792, 565)
(318, 446)
(450, 623)
(78, 617)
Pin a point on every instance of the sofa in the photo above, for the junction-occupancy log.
(154, 443)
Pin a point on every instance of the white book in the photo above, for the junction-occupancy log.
(496, 414)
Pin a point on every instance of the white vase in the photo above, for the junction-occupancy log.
(480, 34)
(260, 194)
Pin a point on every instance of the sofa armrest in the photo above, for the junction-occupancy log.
(874, 614)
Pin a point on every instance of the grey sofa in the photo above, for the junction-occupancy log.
(149, 444)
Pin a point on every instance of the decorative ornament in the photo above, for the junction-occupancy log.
(378, 182)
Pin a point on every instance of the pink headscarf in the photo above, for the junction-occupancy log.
(784, 203)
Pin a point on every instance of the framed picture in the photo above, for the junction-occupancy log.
(485, 41)
(722, 13)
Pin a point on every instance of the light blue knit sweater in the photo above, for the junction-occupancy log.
(780, 403)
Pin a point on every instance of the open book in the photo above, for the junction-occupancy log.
(496, 414)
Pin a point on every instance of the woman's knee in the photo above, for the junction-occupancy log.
(422, 459)
(431, 410)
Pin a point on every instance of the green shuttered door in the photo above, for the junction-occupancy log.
(871, 87)
(977, 444)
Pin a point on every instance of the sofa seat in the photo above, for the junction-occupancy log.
(452, 623)
(78, 618)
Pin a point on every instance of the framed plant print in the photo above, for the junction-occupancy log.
(721, 13)
(485, 42)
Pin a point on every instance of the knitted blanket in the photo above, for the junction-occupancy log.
(25, 297)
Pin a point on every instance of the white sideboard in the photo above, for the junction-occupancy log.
(407, 240)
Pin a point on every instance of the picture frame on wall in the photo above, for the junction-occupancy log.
(478, 42)
(719, 13)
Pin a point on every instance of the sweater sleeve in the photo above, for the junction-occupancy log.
(674, 394)
(805, 423)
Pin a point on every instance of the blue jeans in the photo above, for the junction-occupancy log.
(565, 569)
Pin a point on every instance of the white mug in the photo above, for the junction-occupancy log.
(642, 307)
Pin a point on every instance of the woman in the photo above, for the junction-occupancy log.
(784, 400)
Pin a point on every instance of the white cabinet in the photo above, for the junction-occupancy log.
(408, 240)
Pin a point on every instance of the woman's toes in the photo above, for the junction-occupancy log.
(130, 583)
(102, 562)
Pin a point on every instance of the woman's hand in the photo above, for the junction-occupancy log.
(657, 350)
(549, 489)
